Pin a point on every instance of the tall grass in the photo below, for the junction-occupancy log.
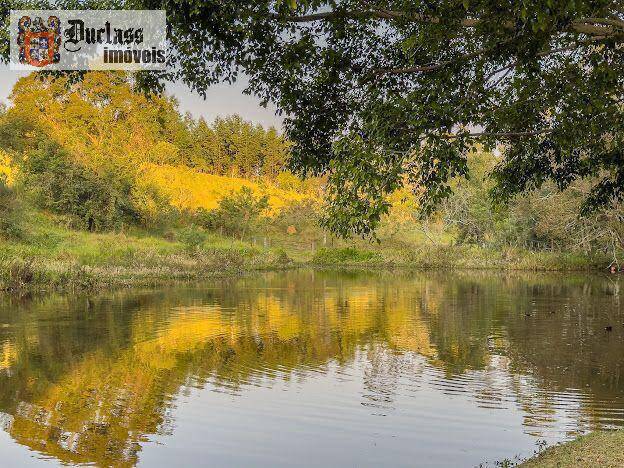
(53, 257)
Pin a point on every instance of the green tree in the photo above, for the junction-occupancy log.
(469, 209)
(192, 237)
(238, 214)
(247, 150)
(56, 183)
(376, 94)
(548, 218)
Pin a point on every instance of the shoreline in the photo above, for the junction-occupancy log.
(28, 279)
(600, 448)
(20, 276)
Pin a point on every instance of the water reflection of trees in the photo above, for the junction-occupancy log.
(85, 379)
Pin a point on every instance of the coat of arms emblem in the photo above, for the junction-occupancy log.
(39, 44)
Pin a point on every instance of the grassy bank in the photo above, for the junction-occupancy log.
(461, 257)
(50, 256)
(602, 449)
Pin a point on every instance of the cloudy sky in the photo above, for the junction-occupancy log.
(221, 100)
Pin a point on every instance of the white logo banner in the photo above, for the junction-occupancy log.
(88, 40)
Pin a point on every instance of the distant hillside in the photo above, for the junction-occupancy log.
(6, 170)
(188, 189)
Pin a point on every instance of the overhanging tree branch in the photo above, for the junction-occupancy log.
(429, 67)
(445, 63)
(589, 26)
(498, 134)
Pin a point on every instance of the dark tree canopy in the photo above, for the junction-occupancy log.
(380, 94)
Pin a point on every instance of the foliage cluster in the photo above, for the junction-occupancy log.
(95, 201)
(9, 211)
(94, 150)
(109, 158)
(237, 215)
(101, 119)
(345, 256)
(382, 94)
(542, 219)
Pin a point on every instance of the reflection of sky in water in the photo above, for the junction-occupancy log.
(337, 418)
(312, 368)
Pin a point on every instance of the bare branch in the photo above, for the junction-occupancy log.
(499, 134)
(615, 22)
(427, 68)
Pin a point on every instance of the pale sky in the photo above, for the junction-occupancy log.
(221, 100)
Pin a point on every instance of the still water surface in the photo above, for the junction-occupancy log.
(311, 368)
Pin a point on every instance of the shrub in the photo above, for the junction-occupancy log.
(205, 218)
(280, 258)
(346, 255)
(154, 209)
(238, 214)
(192, 237)
(17, 274)
(301, 215)
(98, 201)
(9, 216)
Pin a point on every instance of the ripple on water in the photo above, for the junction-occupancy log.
(370, 367)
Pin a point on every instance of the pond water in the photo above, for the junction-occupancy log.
(312, 368)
